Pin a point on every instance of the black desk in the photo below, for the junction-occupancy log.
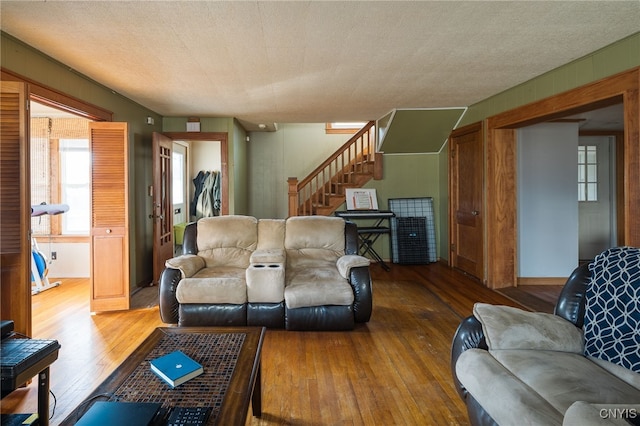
(20, 360)
(369, 234)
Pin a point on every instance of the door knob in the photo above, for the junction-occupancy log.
(475, 212)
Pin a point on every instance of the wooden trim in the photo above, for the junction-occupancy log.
(378, 170)
(524, 281)
(501, 194)
(501, 207)
(292, 183)
(55, 222)
(53, 98)
(222, 137)
(605, 92)
(631, 167)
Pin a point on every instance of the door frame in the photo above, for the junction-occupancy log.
(53, 98)
(222, 137)
(501, 166)
(20, 299)
(162, 211)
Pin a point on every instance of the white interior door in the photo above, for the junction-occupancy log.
(596, 219)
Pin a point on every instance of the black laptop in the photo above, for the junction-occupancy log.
(120, 413)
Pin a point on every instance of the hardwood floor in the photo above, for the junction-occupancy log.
(393, 370)
(539, 298)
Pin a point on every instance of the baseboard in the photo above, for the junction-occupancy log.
(541, 281)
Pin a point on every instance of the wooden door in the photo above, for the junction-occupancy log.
(466, 183)
(109, 217)
(15, 206)
(162, 203)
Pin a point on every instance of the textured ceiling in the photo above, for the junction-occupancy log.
(314, 61)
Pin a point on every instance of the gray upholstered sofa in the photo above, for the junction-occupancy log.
(580, 366)
(302, 273)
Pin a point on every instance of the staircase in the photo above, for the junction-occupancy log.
(351, 166)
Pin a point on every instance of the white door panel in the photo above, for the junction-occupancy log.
(595, 217)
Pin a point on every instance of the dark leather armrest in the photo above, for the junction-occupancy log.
(169, 305)
(468, 335)
(351, 239)
(571, 302)
(360, 280)
(190, 239)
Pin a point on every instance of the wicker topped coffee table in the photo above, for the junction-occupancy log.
(231, 378)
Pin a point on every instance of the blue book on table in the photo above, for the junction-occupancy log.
(176, 368)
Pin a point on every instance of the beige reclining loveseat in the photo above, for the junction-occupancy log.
(302, 273)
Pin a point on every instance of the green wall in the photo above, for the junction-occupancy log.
(294, 150)
(610, 60)
(33, 64)
(615, 58)
(409, 176)
(297, 149)
(238, 186)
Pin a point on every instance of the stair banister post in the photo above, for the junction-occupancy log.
(377, 165)
(293, 196)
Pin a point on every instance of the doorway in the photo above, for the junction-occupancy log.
(547, 201)
(60, 175)
(567, 205)
(195, 152)
(501, 166)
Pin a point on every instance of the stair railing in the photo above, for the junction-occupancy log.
(339, 168)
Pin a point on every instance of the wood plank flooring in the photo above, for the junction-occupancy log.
(539, 298)
(393, 370)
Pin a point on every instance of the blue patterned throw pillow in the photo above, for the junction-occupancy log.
(612, 313)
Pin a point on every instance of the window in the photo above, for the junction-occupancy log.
(344, 127)
(60, 170)
(587, 173)
(75, 162)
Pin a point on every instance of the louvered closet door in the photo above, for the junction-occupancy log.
(109, 217)
(15, 206)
